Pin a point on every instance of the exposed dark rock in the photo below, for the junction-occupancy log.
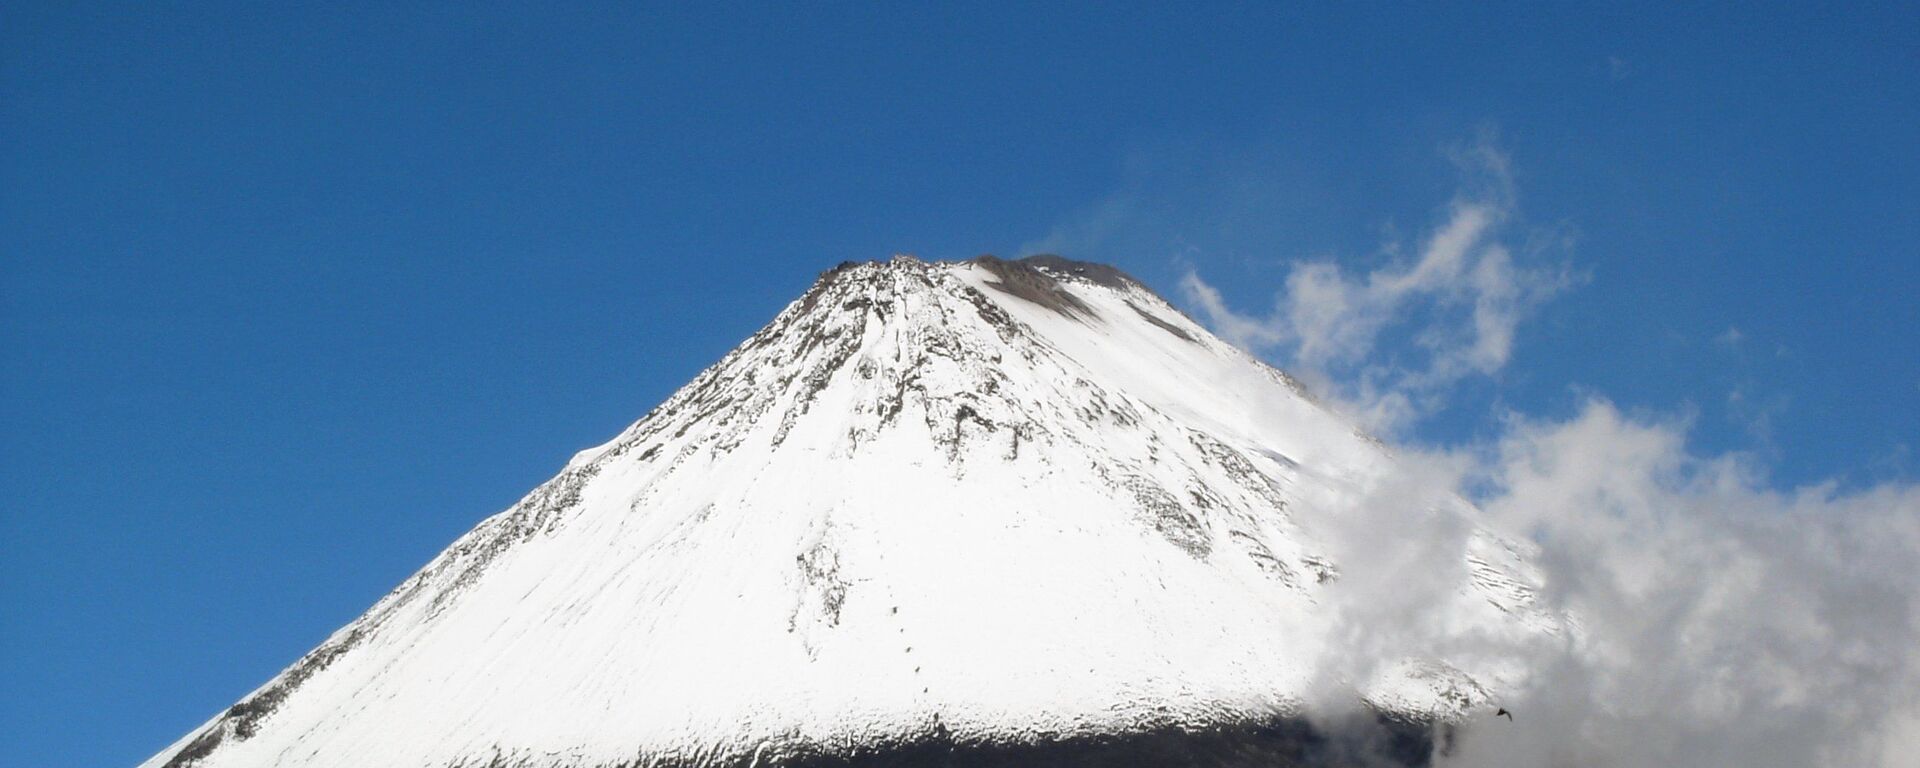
(1323, 571)
(1172, 520)
(242, 720)
(1092, 272)
(1162, 324)
(821, 580)
(1263, 557)
(1280, 742)
(1024, 281)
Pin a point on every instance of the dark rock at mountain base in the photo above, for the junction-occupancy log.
(1279, 743)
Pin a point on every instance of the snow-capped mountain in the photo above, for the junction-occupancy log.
(982, 503)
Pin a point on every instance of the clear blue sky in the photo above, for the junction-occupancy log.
(291, 298)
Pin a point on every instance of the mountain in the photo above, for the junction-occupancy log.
(979, 512)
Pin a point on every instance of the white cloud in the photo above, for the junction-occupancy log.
(1717, 621)
(1720, 620)
(1327, 322)
(1723, 622)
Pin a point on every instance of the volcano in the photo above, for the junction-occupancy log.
(982, 512)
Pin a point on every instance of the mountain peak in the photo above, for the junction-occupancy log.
(983, 502)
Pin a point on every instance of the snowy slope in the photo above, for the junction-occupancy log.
(997, 501)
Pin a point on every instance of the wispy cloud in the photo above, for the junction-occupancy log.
(1463, 281)
(1754, 414)
(1086, 232)
(1618, 68)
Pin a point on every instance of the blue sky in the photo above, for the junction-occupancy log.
(291, 298)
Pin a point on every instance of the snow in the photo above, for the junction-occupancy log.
(915, 501)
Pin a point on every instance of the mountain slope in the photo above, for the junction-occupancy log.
(984, 502)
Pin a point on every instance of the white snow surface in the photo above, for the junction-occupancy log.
(1002, 500)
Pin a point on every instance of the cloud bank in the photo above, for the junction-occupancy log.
(1715, 619)
(1720, 621)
